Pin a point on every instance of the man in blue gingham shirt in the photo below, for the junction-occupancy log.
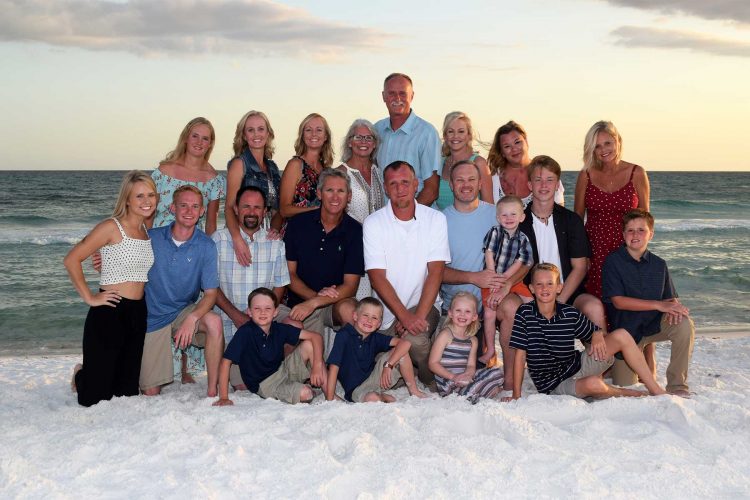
(267, 269)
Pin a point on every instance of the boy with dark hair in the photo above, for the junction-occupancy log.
(543, 334)
(258, 348)
(640, 298)
(367, 362)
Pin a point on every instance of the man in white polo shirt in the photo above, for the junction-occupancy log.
(406, 249)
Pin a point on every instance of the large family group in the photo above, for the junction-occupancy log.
(347, 281)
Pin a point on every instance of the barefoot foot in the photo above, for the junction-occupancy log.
(77, 368)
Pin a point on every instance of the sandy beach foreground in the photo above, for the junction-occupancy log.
(179, 446)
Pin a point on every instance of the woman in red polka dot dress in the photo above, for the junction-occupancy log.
(607, 187)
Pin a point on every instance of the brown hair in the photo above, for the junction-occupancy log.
(638, 213)
(495, 157)
(262, 291)
(545, 162)
(326, 152)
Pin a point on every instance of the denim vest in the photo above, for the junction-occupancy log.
(254, 176)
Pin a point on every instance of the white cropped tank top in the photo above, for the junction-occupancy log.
(128, 260)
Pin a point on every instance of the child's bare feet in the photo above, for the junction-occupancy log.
(416, 392)
(488, 357)
(188, 379)
(680, 392)
(77, 368)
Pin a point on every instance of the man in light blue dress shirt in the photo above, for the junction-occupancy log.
(406, 137)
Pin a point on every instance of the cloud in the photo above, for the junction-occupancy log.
(730, 10)
(636, 36)
(144, 27)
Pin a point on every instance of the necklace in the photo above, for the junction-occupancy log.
(544, 219)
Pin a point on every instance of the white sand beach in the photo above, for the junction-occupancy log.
(178, 446)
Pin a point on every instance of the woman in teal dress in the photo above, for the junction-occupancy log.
(458, 145)
(188, 164)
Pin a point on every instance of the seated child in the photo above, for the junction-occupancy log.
(544, 333)
(453, 358)
(258, 348)
(640, 298)
(367, 362)
(506, 250)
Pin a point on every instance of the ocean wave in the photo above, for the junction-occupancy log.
(671, 225)
(43, 236)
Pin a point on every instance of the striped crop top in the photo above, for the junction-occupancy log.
(128, 260)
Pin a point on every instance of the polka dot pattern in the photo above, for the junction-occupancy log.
(604, 213)
(128, 260)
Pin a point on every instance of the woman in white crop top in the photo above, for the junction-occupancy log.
(116, 323)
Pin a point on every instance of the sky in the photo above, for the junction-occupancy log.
(109, 85)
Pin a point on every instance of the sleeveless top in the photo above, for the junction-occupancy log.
(128, 260)
(268, 182)
(445, 195)
(305, 192)
(604, 213)
(487, 381)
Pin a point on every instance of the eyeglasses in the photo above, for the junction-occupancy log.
(363, 138)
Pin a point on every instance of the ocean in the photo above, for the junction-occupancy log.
(702, 230)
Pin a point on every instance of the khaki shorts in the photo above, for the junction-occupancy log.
(287, 382)
(589, 367)
(319, 319)
(372, 383)
(156, 364)
(235, 378)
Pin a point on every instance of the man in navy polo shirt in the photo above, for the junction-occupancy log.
(325, 257)
(184, 264)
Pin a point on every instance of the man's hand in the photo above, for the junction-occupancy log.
(96, 261)
(411, 323)
(329, 291)
(489, 279)
(497, 296)
(183, 337)
(674, 310)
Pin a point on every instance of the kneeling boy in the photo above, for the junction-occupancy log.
(258, 348)
(544, 333)
(363, 361)
(640, 297)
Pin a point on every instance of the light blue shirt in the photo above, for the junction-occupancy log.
(466, 232)
(415, 142)
(178, 274)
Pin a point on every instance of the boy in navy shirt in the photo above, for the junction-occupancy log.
(258, 349)
(640, 298)
(363, 361)
(544, 333)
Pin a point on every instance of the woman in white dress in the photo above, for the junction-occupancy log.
(358, 153)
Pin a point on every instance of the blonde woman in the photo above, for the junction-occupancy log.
(313, 153)
(252, 165)
(116, 322)
(458, 145)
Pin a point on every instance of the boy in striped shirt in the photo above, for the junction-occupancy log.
(544, 333)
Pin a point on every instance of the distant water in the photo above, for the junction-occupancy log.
(702, 230)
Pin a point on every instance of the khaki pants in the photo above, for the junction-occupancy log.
(287, 382)
(420, 345)
(682, 336)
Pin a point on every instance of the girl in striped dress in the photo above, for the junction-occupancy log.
(453, 358)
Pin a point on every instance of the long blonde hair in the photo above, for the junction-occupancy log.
(473, 327)
(179, 151)
(326, 152)
(126, 187)
(240, 143)
(495, 157)
(589, 144)
(473, 136)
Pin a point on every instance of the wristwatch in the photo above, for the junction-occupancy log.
(388, 365)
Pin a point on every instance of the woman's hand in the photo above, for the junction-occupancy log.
(105, 298)
(242, 251)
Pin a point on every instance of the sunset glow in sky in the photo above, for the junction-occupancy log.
(109, 85)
